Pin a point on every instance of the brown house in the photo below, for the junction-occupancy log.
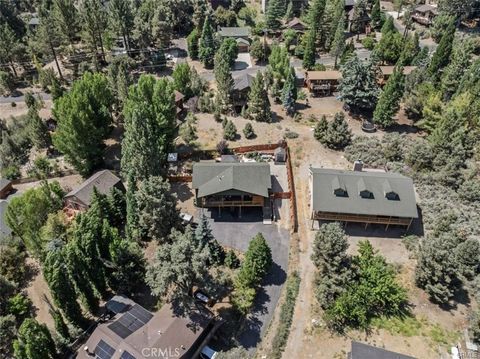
(387, 71)
(80, 198)
(424, 14)
(5, 188)
(240, 91)
(297, 25)
(322, 83)
(132, 332)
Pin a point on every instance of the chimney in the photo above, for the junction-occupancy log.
(358, 166)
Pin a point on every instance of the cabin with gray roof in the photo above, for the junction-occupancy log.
(80, 198)
(240, 34)
(424, 14)
(362, 197)
(365, 351)
(241, 88)
(241, 184)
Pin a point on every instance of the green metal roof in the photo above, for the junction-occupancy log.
(213, 178)
(234, 32)
(367, 193)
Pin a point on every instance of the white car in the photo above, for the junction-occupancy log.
(208, 353)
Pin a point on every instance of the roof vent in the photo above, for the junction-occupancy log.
(339, 189)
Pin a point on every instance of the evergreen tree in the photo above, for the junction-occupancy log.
(441, 57)
(248, 131)
(128, 262)
(93, 17)
(274, 14)
(223, 77)
(61, 287)
(258, 102)
(156, 208)
(315, 15)
(206, 49)
(60, 326)
(289, 93)
(453, 73)
(121, 17)
(389, 100)
(149, 125)
(38, 130)
(359, 88)
(357, 23)
(310, 50)
(230, 131)
(84, 118)
(192, 43)
(120, 78)
(204, 236)
(131, 226)
(376, 15)
(331, 258)
(289, 14)
(338, 43)
(258, 49)
(178, 265)
(34, 341)
(338, 134)
(321, 129)
(200, 10)
(65, 15)
(390, 46)
(257, 262)
(410, 51)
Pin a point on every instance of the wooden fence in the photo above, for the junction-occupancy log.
(293, 197)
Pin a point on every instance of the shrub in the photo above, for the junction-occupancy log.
(248, 131)
(11, 172)
(319, 67)
(290, 135)
(230, 131)
(368, 43)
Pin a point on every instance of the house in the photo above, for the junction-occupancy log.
(322, 82)
(387, 71)
(80, 198)
(5, 188)
(132, 332)
(424, 14)
(365, 351)
(240, 90)
(179, 99)
(362, 197)
(230, 184)
(349, 4)
(363, 22)
(297, 25)
(240, 34)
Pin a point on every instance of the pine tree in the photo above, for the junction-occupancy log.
(230, 131)
(357, 23)
(289, 93)
(93, 18)
(258, 102)
(274, 14)
(289, 14)
(121, 16)
(315, 15)
(60, 326)
(390, 46)
(84, 118)
(389, 101)
(453, 73)
(310, 50)
(321, 130)
(156, 208)
(149, 127)
(38, 130)
(248, 131)
(376, 15)
(204, 236)
(441, 57)
(131, 207)
(61, 287)
(206, 49)
(223, 77)
(34, 341)
(200, 9)
(192, 43)
(338, 43)
(338, 134)
(65, 16)
(257, 262)
(359, 88)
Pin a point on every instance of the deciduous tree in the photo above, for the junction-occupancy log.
(34, 341)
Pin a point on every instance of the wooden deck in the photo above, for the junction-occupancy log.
(357, 218)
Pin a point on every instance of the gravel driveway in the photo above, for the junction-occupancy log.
(236, 233)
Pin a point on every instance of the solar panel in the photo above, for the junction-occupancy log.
(135, 318)
(116, 307)
(127, 355)
(103, 350)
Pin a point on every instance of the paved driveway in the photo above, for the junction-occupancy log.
(233, 232)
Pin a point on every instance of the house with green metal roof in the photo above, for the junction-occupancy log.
(362, 197)
(231, 184)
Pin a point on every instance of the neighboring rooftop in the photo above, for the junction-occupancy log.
(214, 178)
(234, 31)
(426, 8)
(363, 193)
(4, 228)
(243, 82)
(324, 75)
(4, 183)
(103, 181)
(365, 351)
(134, 332)
(294, 22)
(388, 70)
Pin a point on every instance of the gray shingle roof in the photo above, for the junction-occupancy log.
(4, 228)
(213, 178)
(365, 193)
(103, 181)
(243, 82)
(365, 351)
(425, 8)
(234, 31)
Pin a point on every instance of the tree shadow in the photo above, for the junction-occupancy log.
(182, 190)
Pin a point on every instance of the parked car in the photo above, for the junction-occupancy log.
(202, 297)
(208, 353)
